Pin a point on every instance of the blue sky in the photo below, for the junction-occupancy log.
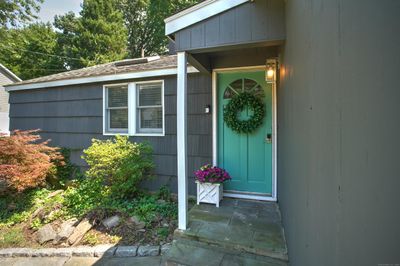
(50, 8)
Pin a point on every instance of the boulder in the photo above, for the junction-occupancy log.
(111, 222)
(79, 231)
(66, 229)
(45, 234)
(138, 224)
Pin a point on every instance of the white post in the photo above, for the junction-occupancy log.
(181, 114)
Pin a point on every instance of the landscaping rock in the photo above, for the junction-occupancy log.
(126, 251)
(112, 221)
(46, 233)
(66, 229)
(38, 212)
(79, 231)
(144, 251)
(55, 193)
(138, 224)
(104, 250)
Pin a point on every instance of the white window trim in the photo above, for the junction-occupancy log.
(132, 110)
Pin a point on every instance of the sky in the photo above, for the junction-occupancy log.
(50, 8)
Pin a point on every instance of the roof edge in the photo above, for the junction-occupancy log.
(94, 79)
(198, 13)
(10, 73)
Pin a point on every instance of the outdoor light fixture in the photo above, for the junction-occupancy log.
(271, 70)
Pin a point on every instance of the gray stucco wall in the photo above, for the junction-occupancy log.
(253, 22)
(338, 165)
(71, 116)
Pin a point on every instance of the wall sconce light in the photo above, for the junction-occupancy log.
(207, 109)
(271, 70)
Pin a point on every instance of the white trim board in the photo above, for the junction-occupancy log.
(104, 78)
(274, 195)
(198, 13)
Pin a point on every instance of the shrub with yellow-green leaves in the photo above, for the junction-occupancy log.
(119, 163)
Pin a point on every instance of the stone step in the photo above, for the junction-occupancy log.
(228, 244)
(192, 253)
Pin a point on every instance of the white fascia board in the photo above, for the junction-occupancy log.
(66, 82)
(198, 13)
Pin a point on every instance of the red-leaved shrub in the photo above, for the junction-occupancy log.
(25, 160)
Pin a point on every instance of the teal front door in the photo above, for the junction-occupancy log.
(247, 157)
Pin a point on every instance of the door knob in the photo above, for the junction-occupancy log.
(268, 138)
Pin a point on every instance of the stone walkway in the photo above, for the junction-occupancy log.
(240, 232)
(76, 261)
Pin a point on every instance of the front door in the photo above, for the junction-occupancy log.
(247, 157)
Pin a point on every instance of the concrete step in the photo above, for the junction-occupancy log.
(193, 253)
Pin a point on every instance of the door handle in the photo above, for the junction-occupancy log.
(268, 138)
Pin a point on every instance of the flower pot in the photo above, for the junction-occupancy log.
(209, 192)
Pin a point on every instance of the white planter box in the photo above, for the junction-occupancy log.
(209, 193)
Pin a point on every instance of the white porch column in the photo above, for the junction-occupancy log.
(181, 116)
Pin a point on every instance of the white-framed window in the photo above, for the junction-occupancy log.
(135, 108)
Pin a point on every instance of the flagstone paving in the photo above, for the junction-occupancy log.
(240, 232)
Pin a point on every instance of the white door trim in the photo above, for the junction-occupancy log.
(274, 195)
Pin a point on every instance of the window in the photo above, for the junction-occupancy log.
(134, 109)
(117, 109)
(149, 108)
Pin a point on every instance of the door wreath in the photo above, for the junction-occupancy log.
(236, 105)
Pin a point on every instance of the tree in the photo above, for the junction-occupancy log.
(97, 36)
(145, 22)
(30, 51)
(14, 12)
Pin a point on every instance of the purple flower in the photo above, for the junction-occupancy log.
(211, 174)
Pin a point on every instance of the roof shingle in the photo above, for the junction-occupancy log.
(116, 67)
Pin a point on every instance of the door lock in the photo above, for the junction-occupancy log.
(268, 138)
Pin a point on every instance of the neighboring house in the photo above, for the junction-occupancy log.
(6, 77)
(328, 146)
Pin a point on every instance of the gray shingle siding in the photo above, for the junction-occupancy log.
(253, 22)
(71, 116)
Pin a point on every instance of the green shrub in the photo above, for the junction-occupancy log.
(62, 172)
(85, 195)
(121, 164)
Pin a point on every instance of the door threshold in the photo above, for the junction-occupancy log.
(253, 196)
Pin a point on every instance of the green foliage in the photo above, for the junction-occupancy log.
(85, 195)
(97, 36)
(237, 104)
(14, 12)
(63, 171)
(119, 163)
(12, 237)
(145, 24)
(163, 232)
(28, 51)
(18, 208)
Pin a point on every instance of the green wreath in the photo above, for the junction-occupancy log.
(236, 105)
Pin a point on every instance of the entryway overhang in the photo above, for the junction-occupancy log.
(253, 27)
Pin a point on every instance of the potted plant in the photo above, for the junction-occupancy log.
(209, 180)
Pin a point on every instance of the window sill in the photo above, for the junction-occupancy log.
(135, 135)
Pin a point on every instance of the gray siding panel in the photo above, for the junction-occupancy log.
(258, 21)
(71, 117)
(73, 108)
(338, 165)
